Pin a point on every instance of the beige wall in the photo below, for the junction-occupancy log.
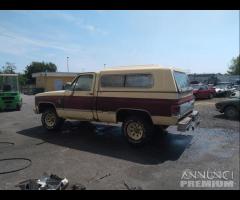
(47, 82)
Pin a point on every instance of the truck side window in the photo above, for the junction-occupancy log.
(84, 83)
(112, 81)
(139, 80)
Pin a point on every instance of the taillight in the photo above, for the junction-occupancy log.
(175, 109)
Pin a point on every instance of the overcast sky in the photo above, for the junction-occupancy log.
(197, 41)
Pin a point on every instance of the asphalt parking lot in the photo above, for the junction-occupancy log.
(97, 156)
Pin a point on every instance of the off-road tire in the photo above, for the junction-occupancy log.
(51, 121)
(142, 135)
(231, 112)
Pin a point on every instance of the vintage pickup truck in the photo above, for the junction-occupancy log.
(141, 97)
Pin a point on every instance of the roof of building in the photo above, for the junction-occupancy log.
(8, 74)
(55, 74)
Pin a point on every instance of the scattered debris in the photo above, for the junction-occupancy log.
(30, 184)
(91, 179)
(104, 176)
(46, 182)
(131, 188)
(78, 186)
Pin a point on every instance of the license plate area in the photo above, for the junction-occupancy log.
(189, 122)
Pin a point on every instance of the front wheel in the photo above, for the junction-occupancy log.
(137, 130)
(51, 121)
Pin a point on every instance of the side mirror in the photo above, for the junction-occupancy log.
(67, 87)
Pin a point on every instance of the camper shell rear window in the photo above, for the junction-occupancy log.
(182, 81)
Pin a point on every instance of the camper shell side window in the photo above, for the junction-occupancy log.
(127, 80)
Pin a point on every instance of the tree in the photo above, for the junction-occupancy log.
(35, 67)
(234, 68)
(22, 79)
(8, 68)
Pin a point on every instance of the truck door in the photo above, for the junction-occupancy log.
(79, 99)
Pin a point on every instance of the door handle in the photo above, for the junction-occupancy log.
(90, 93)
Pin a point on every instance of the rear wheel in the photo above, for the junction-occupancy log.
(137, 130)
(231, 112)
(51, 121)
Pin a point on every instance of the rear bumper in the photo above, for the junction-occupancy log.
(190, 121)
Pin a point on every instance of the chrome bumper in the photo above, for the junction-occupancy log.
(190, 121)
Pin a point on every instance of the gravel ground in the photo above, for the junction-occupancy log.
(97, 156)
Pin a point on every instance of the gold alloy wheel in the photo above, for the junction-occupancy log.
(135, 130)
(50, 119)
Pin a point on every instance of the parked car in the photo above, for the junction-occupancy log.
(140, 97)
(203, 91)
(212, 89)
(237, 87)
(230, 107)
(223, 89)
(236, 94)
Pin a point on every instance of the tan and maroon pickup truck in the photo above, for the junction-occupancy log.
(141, 97)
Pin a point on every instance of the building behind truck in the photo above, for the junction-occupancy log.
(52, 81)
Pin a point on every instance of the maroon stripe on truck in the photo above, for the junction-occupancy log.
(156, 107)
(153, 106)
(80, 102)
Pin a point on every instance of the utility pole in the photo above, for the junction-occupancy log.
(67, 64)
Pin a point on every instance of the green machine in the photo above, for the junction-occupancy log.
(10, 98)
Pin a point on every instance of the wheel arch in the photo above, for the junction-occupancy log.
(42, 106)
(123, 113)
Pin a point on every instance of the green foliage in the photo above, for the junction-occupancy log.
(22, 79)
(8, 68)
(234, 68)
(35, 67)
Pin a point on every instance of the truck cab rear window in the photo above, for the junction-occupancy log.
(126, 81)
